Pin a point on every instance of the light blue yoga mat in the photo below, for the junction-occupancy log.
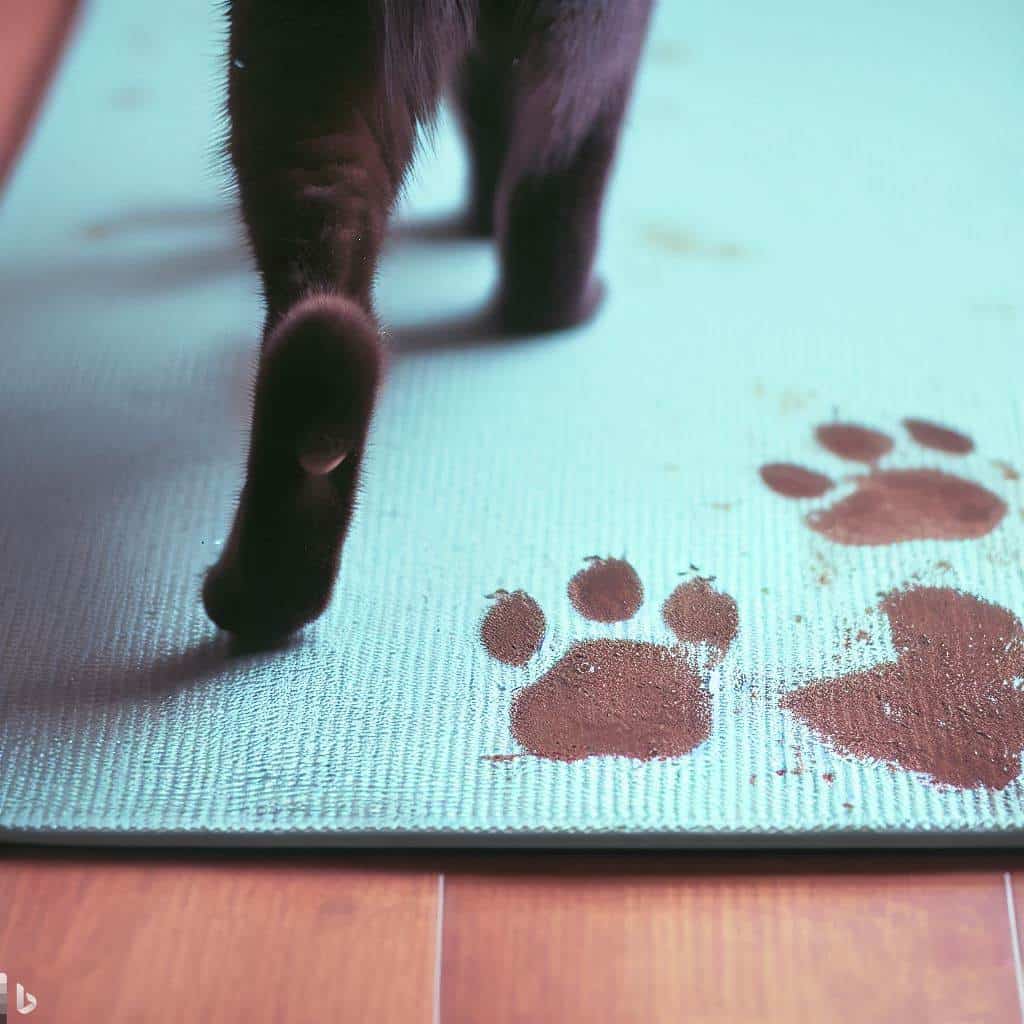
(817, 215)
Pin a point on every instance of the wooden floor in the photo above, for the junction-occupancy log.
(529, 939)
(486, 939)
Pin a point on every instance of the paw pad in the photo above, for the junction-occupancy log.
(615, 697)
(891, 505)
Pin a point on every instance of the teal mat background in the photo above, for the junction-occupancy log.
(817, 211)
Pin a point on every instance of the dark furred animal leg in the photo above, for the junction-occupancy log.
(570, 90)
(324, 100)
(320, 141)
(481, 94)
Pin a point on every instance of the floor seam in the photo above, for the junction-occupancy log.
(1011, 913)
(439, 950)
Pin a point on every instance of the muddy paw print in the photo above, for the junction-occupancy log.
(891, 505)
(948, 706)
(615, 697)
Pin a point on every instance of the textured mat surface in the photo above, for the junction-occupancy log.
(817, 217)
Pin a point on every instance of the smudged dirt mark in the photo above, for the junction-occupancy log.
(947, 707)
(680, 242)
(699, 614)
(854, 442)
(932, 435)
(500, 758)
(1007, 471)
(1005, 311)
(794, 481)
(909, 504)
(822, 569)
(669, 52)
(513, 629)
(614, 697)
(129, 97)
(607, 590)
(791, 400)
(889, 506)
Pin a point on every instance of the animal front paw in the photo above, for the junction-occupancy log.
(609, 696)
(891, 505)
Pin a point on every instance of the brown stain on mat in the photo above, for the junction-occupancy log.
(1007, 471)
(680, 242)
(698, 614)
(854, 442)
(933, 435)
(607, 590)
(794, 481)
(669, 52)
(614, 697)
(995, 310)
(129, 97)
(893, 505)
(513, 629)
(947, 706)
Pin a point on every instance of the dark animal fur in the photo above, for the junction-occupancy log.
(325, 97)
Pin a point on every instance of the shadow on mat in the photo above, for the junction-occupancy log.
(154, 680)
(159, 251)
(176, 248)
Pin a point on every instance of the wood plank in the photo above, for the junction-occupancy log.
(229, 940)
(722, 947)
(1014, 882)
(32, 38)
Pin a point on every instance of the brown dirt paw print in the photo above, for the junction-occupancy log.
(891, 505)
(948, 706)
(615, 697)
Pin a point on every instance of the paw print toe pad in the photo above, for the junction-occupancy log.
(513, 629)
(607, 590)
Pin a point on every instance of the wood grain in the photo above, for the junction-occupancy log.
(716, 948)
(279, 940)
(33, 32)
(1013, 881)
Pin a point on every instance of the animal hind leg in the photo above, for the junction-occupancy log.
(570, 92)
